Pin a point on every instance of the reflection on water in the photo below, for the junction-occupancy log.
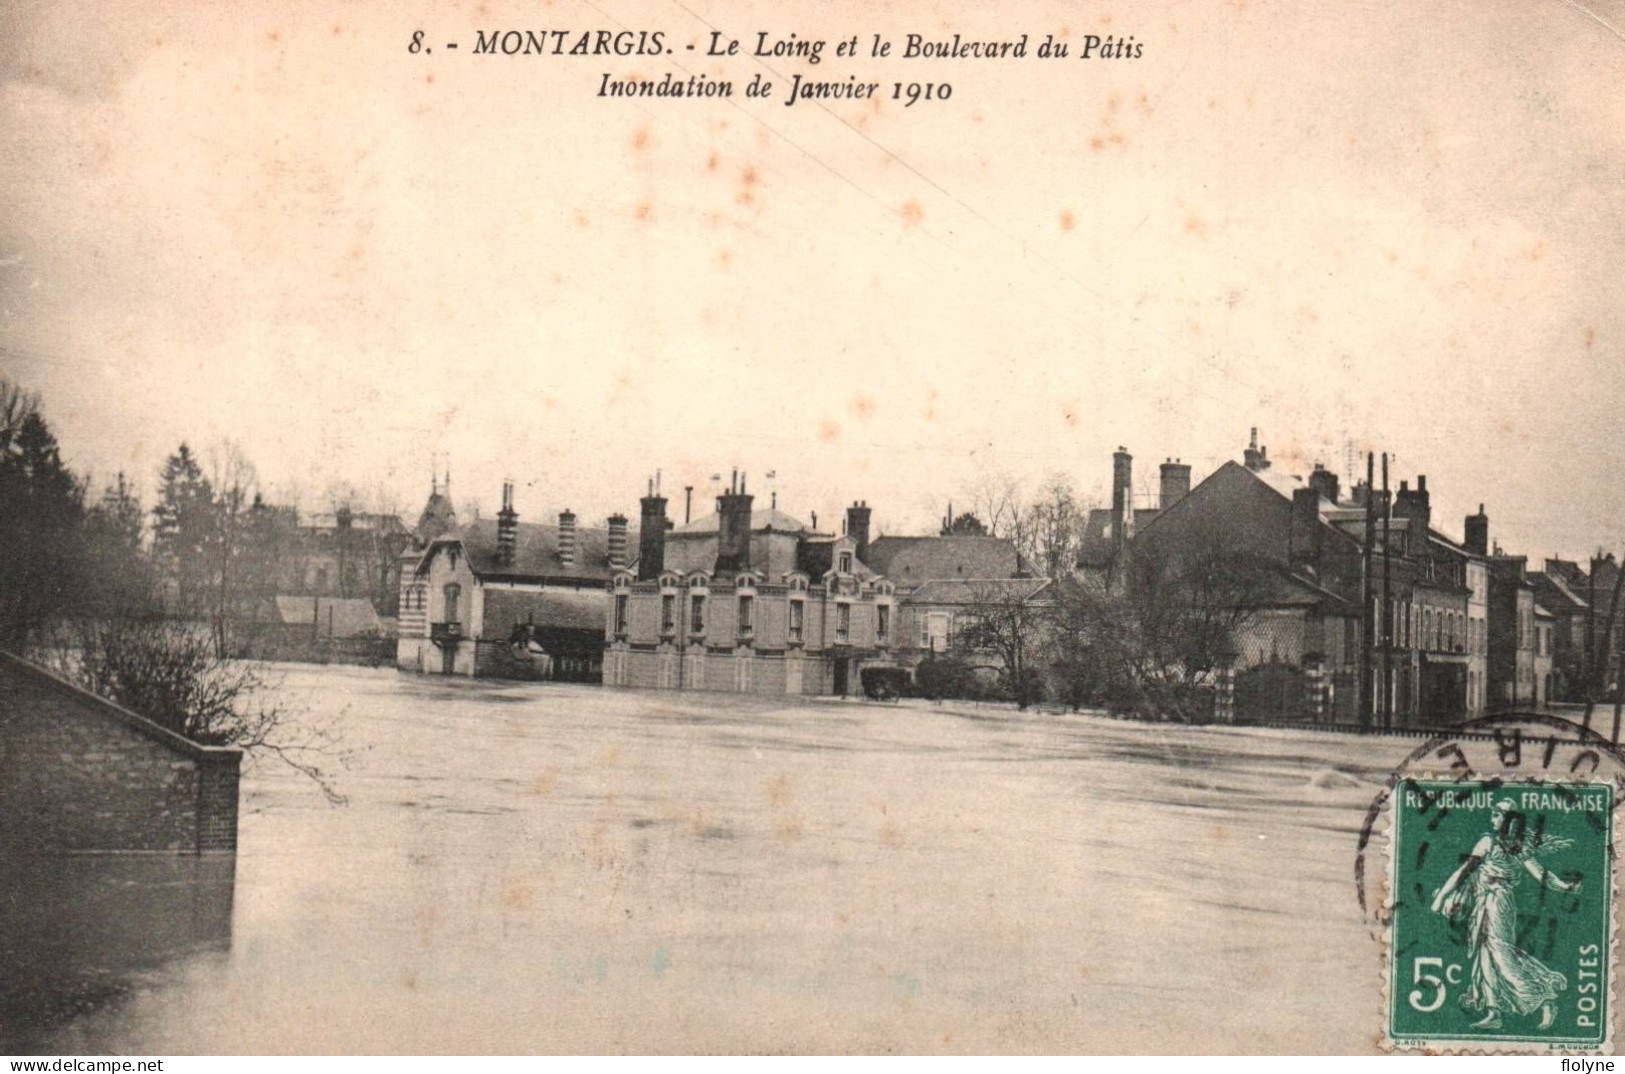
(80, 932)
(554, 868)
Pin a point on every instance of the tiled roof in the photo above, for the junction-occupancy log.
(536, 551)
(908, 561)
(556, 609)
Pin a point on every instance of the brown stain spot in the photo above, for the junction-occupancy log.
(582, 221)
(788, 829)
(1194, 327)
(409, 978)
(931, 404)
(1069, 414)
(863, 407)
(337, 29)
(747, 186)
(644, 212)
(611, 754)
(1117, 138)
(518, 896)
(1106, 20)
(725, 258)
(779, 791)
(1067, 221)
(1537, 251)
(1144, 103)
(275, 35)
(711, 162)
(1097, 144)
(891, 835)
(1589, 336)
(1196, 226)
(913, 212)
(828, 431)
(640, 139)
(1392, 257)
(542, 786)
(429, 78)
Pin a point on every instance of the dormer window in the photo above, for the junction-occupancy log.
(747, 608)
(846, 562)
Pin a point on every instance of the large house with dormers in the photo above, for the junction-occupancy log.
(747, 601)
(753, 601)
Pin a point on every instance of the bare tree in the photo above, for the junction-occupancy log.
(995, 498)
(169, 672)
(1006, 619)
(1157, 632)
(235, 482)
(1051, 528)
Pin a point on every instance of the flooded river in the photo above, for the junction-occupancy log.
(545, 868)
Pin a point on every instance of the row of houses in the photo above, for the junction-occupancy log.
(742, 599)
(1372, 612)
(1375, 614)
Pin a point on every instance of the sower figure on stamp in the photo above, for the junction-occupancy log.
(1504, 976)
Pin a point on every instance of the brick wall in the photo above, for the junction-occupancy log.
(80, 774)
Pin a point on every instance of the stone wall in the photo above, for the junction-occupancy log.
(78, 773)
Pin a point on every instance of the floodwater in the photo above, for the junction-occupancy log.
(549, 868)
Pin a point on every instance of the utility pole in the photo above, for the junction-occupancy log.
(1367, 692)
(1387, 621)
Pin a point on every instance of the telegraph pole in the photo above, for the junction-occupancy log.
(1367, 692)
(1387, 620)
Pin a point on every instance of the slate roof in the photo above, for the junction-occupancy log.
(909, 561)
(556, 609)
(759, 520)
(536, 551)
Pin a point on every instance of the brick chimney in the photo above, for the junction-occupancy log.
(1412, 505)
(617, 541)
(1176, 483)
(857, 527)
(507, 527)
(733, 527)
(652, 535)
(1477, 533)
(1122, 495)
(1256, 458)
(567, 537)
(1325, 482)
(1303, 536)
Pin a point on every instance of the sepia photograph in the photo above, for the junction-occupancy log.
(695, 527)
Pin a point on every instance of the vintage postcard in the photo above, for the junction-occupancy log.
(729, 526)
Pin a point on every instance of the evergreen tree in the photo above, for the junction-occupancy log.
(184, 532)
(41, 514)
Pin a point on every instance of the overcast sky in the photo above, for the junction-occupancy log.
(1399, 227)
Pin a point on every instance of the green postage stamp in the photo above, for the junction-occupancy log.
(1502, 915)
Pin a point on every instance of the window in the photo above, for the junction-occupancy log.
(668, 613)
(746, 606)
(797, 618)
(843, 622)
(620, 613)
(934, 632)
(846, 562)
(696, 614)
(452, 594)
(882, 621)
